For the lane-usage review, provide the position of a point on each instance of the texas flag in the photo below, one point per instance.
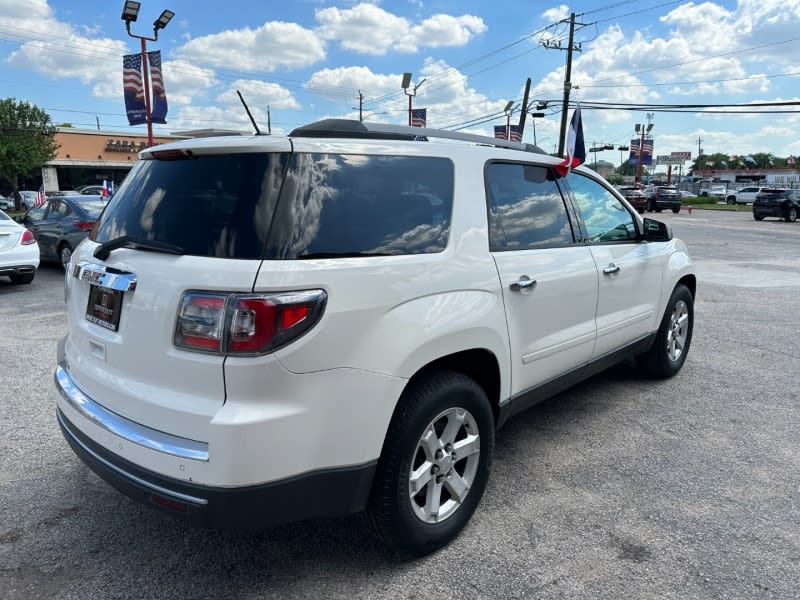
(576, 151)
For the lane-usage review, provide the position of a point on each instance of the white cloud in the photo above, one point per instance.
(258, 93)
(558, 13)
(334, 83)
(368, 29)
(273, 45)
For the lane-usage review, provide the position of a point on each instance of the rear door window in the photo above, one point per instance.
(526, 208)
(335, 205)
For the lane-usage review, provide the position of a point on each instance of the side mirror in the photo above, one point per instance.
(656, 231)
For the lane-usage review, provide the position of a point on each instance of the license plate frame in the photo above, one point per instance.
(104, 307)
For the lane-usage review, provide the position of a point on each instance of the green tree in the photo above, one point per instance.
(26, 141)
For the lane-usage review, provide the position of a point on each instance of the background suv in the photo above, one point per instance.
(776, 202)
(660, 197)
(263, 329)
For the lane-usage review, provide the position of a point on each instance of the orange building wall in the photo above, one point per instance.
(98, 146)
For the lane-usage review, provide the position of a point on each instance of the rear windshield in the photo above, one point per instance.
(330, 205)
(91, 207)
(335, 205)
(215, 206)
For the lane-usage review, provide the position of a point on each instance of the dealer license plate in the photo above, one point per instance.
(104, 307)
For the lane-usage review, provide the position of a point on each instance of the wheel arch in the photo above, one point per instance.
(690, 281)
(479, 364)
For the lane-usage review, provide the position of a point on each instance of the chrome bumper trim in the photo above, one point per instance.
(123, 473)
(135, 433)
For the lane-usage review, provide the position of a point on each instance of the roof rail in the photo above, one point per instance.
(348, 128)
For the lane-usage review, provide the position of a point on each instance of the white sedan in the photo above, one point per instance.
(19, 252)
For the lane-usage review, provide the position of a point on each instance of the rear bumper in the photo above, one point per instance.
(771, 211)
(320, 494)
(18, 269)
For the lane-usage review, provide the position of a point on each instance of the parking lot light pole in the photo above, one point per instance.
(643, 131)
(406, 84)
(130, 12)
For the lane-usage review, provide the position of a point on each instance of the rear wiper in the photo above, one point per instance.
(131, 241)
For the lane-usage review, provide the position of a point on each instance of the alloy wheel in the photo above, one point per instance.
(444, 465)
(678, 330)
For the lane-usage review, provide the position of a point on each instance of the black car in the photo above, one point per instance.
(775, 202)
(62, 223)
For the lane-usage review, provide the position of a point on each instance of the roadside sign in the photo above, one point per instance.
(685, 155)
(666, 159)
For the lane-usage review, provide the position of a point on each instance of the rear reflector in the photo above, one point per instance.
(179, 506)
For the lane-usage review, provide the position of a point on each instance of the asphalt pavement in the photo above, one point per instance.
(621, 487)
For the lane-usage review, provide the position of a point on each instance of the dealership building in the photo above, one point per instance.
(89, 157)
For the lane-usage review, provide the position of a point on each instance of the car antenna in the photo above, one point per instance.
(252, 120)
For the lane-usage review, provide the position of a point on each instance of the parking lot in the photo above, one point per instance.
(619, 487)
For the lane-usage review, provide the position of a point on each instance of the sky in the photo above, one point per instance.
(312, 59)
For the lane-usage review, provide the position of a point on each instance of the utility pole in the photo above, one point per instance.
(567, 76)
(360, 106)
(699, 149)
(524, 112)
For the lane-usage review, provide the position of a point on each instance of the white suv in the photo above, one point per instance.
(266, 329)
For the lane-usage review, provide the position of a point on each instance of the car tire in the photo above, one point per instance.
(758, 217)
(668, 353)
(791, 216)
(676, 210)
(730, 200)
(64, 254)
(437, 418)
(26, 278)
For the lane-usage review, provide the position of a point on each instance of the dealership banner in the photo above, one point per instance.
(647, 152)
(133, 89)
(159, 112)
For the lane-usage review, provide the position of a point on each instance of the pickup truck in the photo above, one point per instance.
(715, 190)
(745, 195)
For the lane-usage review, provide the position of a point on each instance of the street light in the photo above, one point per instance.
(130, 12)
(534, 116)
(406, 84)
(508, 110)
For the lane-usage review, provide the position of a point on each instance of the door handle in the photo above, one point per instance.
(610, 269)
(524, 283)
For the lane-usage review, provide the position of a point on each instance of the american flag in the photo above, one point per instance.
(419, 117)
(501, 132)
(40, 197)
(647, 147)
(132, 75)
(155, 73)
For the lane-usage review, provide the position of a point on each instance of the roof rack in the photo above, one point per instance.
(348, 128)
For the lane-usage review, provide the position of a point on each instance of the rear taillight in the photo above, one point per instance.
(27, 238)
(245, 324)
(84, 225)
